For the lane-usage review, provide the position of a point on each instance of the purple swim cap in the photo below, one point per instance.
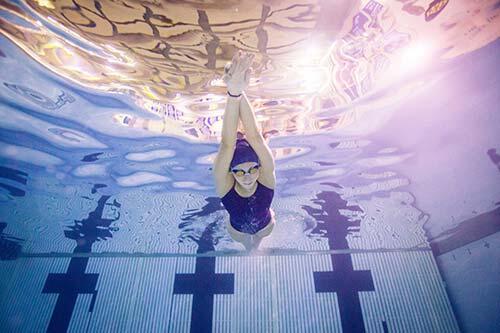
(243, 152)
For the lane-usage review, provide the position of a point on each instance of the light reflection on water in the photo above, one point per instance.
(167, 57)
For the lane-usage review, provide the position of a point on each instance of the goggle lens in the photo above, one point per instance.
(252, 170)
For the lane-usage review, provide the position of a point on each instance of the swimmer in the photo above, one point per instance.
(244, 165)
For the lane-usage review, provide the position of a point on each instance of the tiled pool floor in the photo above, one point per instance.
(356, 292)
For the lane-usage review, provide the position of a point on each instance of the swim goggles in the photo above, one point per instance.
(251, 171)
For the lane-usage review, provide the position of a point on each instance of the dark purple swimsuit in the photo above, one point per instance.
(249, 215)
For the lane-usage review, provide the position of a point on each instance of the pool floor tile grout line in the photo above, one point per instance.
(212, 253)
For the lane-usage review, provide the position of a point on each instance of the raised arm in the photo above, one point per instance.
(236, 79)
(256, 140)
(230, 122)
(248, 119)
(246, 113)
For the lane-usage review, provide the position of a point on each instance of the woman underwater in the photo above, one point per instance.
(244, 167)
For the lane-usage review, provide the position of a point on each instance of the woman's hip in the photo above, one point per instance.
(265, 231)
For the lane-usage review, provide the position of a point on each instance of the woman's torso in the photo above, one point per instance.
(249, 214)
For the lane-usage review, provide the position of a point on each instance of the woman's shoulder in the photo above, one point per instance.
(227, 188)
(268, 182)
(266, 185)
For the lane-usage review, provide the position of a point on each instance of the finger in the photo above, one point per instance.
(234, 62)
(248, 73)
(231, 67)
(244, 58)
(245, 61)
(240, 63)
(241, 66)
(227, 68)
(248, 60)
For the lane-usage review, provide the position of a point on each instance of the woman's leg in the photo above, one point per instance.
(266, 231)
(248, 243)
(256, 242)
(243, 238)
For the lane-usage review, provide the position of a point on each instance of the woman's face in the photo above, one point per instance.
(246, 174)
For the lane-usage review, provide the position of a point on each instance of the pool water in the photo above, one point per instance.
(387, 195)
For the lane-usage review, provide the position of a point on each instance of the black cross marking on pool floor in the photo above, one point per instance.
(203, 285)
(75, 281)
(344, 280)
(69, 285)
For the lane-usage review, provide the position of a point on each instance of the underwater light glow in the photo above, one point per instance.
(314, 78)
(412, 59)
(415, 56)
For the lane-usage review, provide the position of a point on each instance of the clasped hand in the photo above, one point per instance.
(237, 73)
